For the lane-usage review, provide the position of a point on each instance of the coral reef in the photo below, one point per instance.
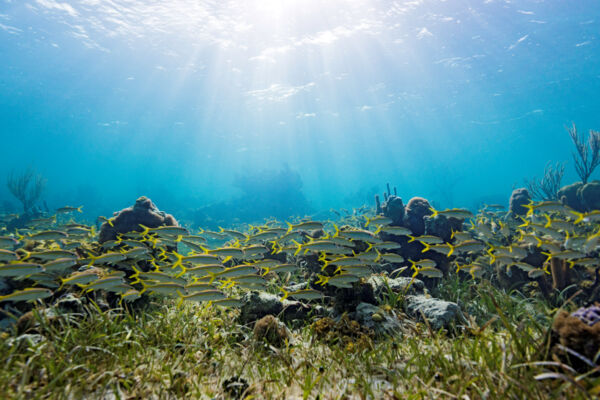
(576, 337)
(264, 194)
(587, 157)
(27, 187)
(415, 212)
(393, 208)
(143, 212)
(518, 198)
(569, 195)
(581, 197)
(546, 188)
(442, 226)
(270, 330)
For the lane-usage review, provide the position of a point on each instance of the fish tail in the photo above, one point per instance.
(144, 287)
(290, 227)
(529, 208)
(411, 238)
(213, 276)
(79, 208)
(549, 223)
(426, 248)
(434, 211)
(580, 216)
(377, 230)
(179, 262)
(378, 255)
(337, 230)
(369, 247)
(368, 221)
(145, 230)
(178, 239)
(525, 223)
(298, 249)
(136, 275)
(27, 254)
(322, 280)
(227, 259)
(547, 254)
(285, 293)
(451, 250)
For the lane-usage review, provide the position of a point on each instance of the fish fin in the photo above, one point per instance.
(298, 249)
(451, 250)
(144, 287)
(580, 216)
(411, 238)
(549, 223)
(426, 248)
(179, 262)
(136, 275)
(290, 227)
(285, 293)
(79, 208)
(145, 230)
(434, 211)
(378, 255)
(337, 230)
(322, 280)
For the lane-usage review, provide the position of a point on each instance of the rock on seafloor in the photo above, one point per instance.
(256, 305)
(438, 313)
(589, 195)
(380, 284)
(143, 212)
(373, 317)
(569, 195)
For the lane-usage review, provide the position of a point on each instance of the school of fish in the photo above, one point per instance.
(56, 253)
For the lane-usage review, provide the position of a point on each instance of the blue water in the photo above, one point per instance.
(194, 103)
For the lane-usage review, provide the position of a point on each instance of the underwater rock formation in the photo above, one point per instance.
(416, 210)
(271, 330)
(581, 197)
(380, 283)
(256, 305)
(579, 332)
(143, 212)
(568, 195)
(518, 198)
(442, 226)
(393, 208)
(377, 320)
(589, 194)
(438, 313)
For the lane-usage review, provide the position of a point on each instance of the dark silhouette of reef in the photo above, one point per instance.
(581, 197)
(269, 193)
(143, 212)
